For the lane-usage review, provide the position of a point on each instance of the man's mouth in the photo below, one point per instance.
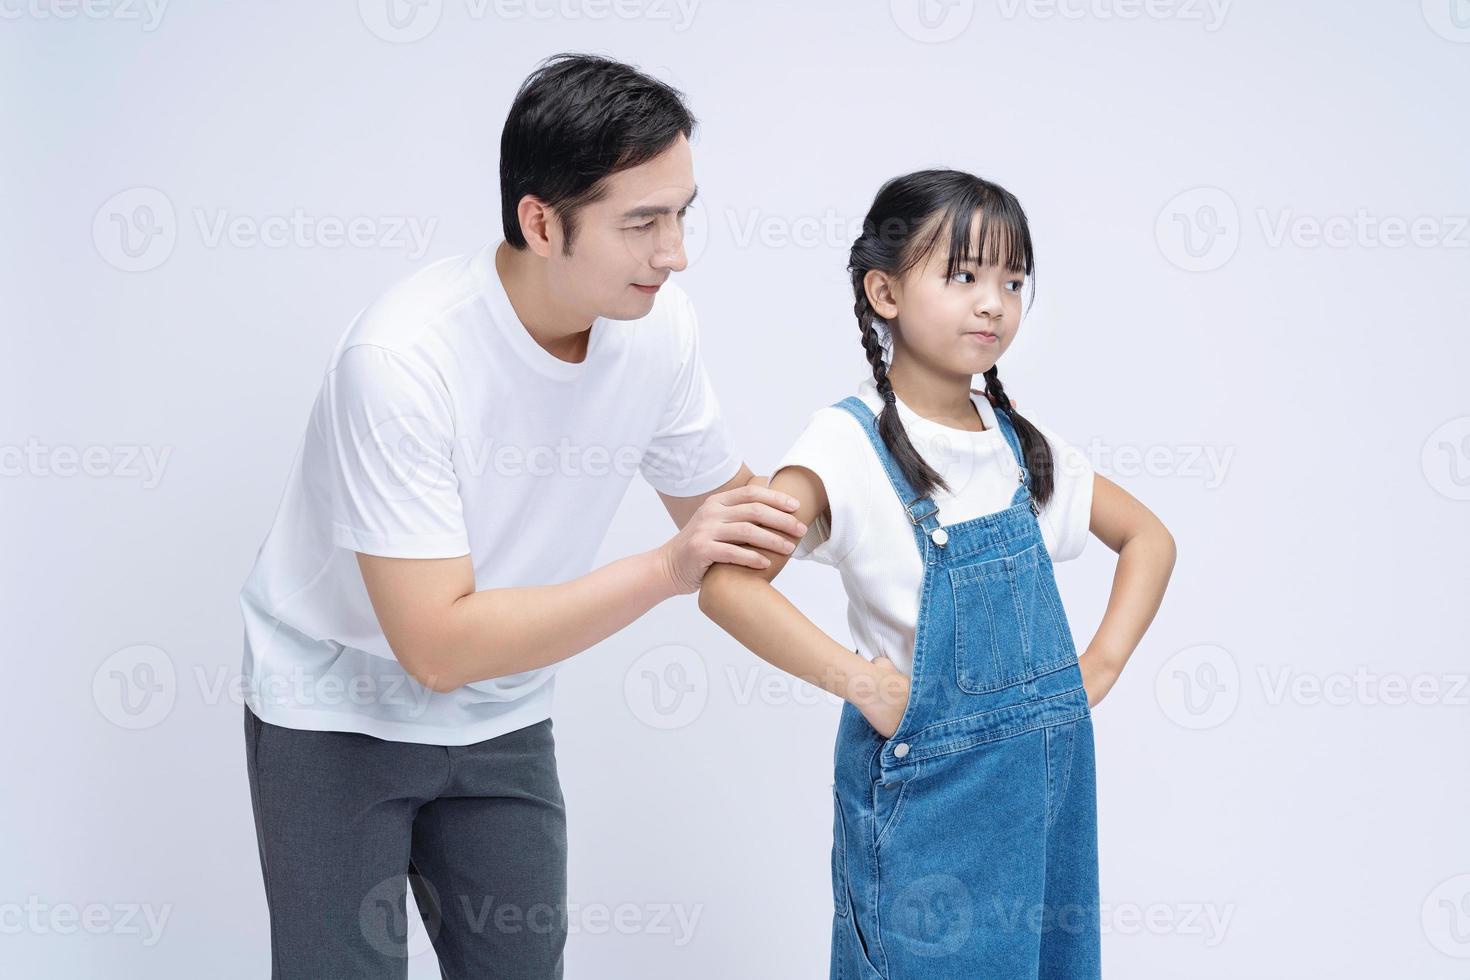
(647, 289)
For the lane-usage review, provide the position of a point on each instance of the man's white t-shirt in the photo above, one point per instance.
(442, 429)
(871, 541)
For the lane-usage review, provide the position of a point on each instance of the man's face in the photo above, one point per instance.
(629, 242)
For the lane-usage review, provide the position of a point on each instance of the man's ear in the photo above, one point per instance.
(879, 287)
(535, 217)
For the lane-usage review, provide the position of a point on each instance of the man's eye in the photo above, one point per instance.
(643, 227)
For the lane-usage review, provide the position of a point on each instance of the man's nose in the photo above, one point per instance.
(669, 251)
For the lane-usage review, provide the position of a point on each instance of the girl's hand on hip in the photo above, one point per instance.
(884, 700)
(1098, 676)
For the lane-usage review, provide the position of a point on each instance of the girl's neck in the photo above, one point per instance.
(941, 398)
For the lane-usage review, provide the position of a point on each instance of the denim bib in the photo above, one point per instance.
(989, 744)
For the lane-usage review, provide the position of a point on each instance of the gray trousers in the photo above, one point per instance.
(346, 823)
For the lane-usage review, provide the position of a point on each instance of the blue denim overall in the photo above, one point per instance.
(965, 846)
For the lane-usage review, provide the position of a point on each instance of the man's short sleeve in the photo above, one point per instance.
(387, 431)
(691, 452)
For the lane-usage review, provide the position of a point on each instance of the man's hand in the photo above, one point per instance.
(884, 697)
(748, 515)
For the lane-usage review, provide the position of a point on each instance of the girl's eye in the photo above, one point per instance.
(964, 272)
(1014, 285)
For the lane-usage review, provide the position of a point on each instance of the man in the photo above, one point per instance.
(432, 557)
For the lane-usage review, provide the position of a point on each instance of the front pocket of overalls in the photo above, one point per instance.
(1008, 625)
(853, 959)
(839, 857)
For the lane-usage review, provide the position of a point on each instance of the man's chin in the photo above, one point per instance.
(635, 309)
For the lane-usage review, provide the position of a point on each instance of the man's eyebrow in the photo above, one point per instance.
(651, 211)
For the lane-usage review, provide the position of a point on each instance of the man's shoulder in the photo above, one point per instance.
(397, 317)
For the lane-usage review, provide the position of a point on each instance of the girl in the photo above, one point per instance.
(964, 832)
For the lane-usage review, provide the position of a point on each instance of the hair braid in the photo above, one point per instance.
(1033, 443)
(925, 478)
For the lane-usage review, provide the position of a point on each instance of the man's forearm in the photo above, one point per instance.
(496, 632)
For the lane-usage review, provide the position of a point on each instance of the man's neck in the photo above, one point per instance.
(561, 332)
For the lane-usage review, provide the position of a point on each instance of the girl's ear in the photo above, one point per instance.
(880, 289)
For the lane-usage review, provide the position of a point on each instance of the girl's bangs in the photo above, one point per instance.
(1002, 238)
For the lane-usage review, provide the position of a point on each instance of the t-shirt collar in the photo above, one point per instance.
(868, 392)
(503, 314)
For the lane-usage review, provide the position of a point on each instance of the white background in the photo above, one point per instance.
(1282, 775)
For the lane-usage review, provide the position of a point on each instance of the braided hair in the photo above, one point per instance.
(905, 223)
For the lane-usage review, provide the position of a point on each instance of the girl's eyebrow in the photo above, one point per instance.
(650, 211)
(973, 261)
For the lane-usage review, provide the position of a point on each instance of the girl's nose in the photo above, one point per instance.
(988, 303)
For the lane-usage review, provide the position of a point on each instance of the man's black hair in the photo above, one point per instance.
(577, 119)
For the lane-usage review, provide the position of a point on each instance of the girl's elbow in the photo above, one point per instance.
(1167, 546)
(710, 597)
(716, 588)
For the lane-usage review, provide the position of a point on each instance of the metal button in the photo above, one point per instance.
(900, 750)
(940, 536)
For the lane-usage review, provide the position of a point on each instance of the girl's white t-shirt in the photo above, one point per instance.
(870, 539)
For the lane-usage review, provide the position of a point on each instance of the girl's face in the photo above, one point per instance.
(958, 323)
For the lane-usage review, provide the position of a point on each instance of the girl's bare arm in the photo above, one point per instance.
(447, 634)
(1146, 555)
(746, 605)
